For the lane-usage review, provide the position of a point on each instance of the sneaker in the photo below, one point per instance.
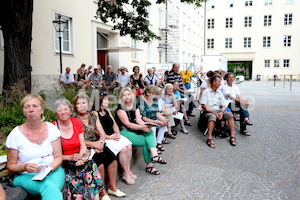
(117, 193)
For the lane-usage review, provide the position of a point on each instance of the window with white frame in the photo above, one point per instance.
(134, 54)
(267, 63)
(267, 41)
(228, 22)
(247, 42)
(66, 35)
(228, 43)
(267, 20)
(268, 2)
(288, 19)
(210, 43)
(287, 40)
(248, 21)
(210, 23)
(276, 63)
(248, 2)
(229, 3)
(286, 63)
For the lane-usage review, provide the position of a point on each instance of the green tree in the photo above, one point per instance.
(135, 24)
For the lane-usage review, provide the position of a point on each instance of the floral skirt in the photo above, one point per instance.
(84, 182)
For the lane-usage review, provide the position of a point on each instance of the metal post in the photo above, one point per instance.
(60, 56)
(283, 81)
(291, 76)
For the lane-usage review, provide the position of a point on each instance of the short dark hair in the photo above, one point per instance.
(214, 79)
(135, 67)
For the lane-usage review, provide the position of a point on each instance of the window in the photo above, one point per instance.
(183, 32)
(229, 22)
(267, 41)
(289, 1)
(66, 35)
(247, 42)
(276, 63)
(210, 23)
(248, 2)
(248, 21)
(287, 40)
(228, 43)
(134, 54)
(210, 43)
(267, 63)
(288, 19)
(149, 51)
(286, 63)
(267, 20)
(229, 3)
(268, 2)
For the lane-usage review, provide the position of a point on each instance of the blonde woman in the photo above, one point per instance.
(133, 127)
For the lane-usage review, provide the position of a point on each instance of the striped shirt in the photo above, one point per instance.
(173, 77)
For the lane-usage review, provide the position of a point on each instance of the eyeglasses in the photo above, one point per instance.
(102, 93)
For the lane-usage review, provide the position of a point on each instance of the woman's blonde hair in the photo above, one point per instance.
(150, 89)
(31, 96)
(122, 92)
(80, 95)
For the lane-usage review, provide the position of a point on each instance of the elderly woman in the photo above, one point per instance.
(32, 145)
(83, 180)
(151, 78)
(169, 103)
(236, 102)
(133, 127)
(96, 138)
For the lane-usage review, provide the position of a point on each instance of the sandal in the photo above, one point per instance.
(152, 170)
(159, 160)
(245, 132)
(160, 147)
(187, 122)
(247, 122)
(174, 131)
(232, 141)
(165, 141)
(184, 131)
(171, 136)
(210, 143)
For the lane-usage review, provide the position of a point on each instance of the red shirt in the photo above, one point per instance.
(72, 145)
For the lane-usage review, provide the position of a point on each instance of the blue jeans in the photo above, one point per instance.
(49, 188)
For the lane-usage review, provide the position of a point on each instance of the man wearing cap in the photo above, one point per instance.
(123, 78)
(95, 78)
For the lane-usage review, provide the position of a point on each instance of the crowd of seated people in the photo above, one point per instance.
(84, 147)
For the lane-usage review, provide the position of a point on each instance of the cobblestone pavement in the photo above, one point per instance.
(263, 166)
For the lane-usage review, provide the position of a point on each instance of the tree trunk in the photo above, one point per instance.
(16, 23)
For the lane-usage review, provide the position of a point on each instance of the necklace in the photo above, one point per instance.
(33, 136)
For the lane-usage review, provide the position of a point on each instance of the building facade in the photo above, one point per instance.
(259, 37)
(87, 40)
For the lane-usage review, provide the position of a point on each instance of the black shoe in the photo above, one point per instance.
(191, 114)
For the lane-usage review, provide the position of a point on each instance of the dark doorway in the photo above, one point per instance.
(241, 68)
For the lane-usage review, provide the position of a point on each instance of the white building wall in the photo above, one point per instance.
(257, 53)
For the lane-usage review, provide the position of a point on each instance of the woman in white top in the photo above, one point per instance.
(151, 78)
(34, 144)
(237, 103)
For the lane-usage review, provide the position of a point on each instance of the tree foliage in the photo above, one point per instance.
(130, 17)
